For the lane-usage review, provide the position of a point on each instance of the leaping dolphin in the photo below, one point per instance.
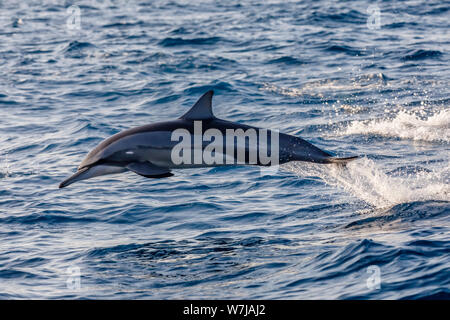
(153, 150)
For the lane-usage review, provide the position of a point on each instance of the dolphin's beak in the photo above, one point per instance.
(90, 172)
(74, 178)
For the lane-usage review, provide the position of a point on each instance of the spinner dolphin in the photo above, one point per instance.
(197, 139)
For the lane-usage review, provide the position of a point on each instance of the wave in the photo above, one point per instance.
(172, 42)
(344, 49)
(323, 87)
(77, 45)
(348, 17)
(405, 125)
(286, 60)
(405, 212)
(77, 50)
(367, 181)
(422, 54)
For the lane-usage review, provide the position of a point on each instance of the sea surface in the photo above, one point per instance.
(352, 77)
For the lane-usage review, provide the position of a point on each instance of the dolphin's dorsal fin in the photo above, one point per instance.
(202, 109)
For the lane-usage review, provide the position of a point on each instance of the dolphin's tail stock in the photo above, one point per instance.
(305, 151)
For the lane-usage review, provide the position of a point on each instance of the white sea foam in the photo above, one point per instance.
(366, 180)
(405, 125)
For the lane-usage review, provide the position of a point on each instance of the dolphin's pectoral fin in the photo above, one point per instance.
(149, 170)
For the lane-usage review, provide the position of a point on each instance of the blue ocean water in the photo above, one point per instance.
(353, 77)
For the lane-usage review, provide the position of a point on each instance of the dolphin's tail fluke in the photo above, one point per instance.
(341, 161)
